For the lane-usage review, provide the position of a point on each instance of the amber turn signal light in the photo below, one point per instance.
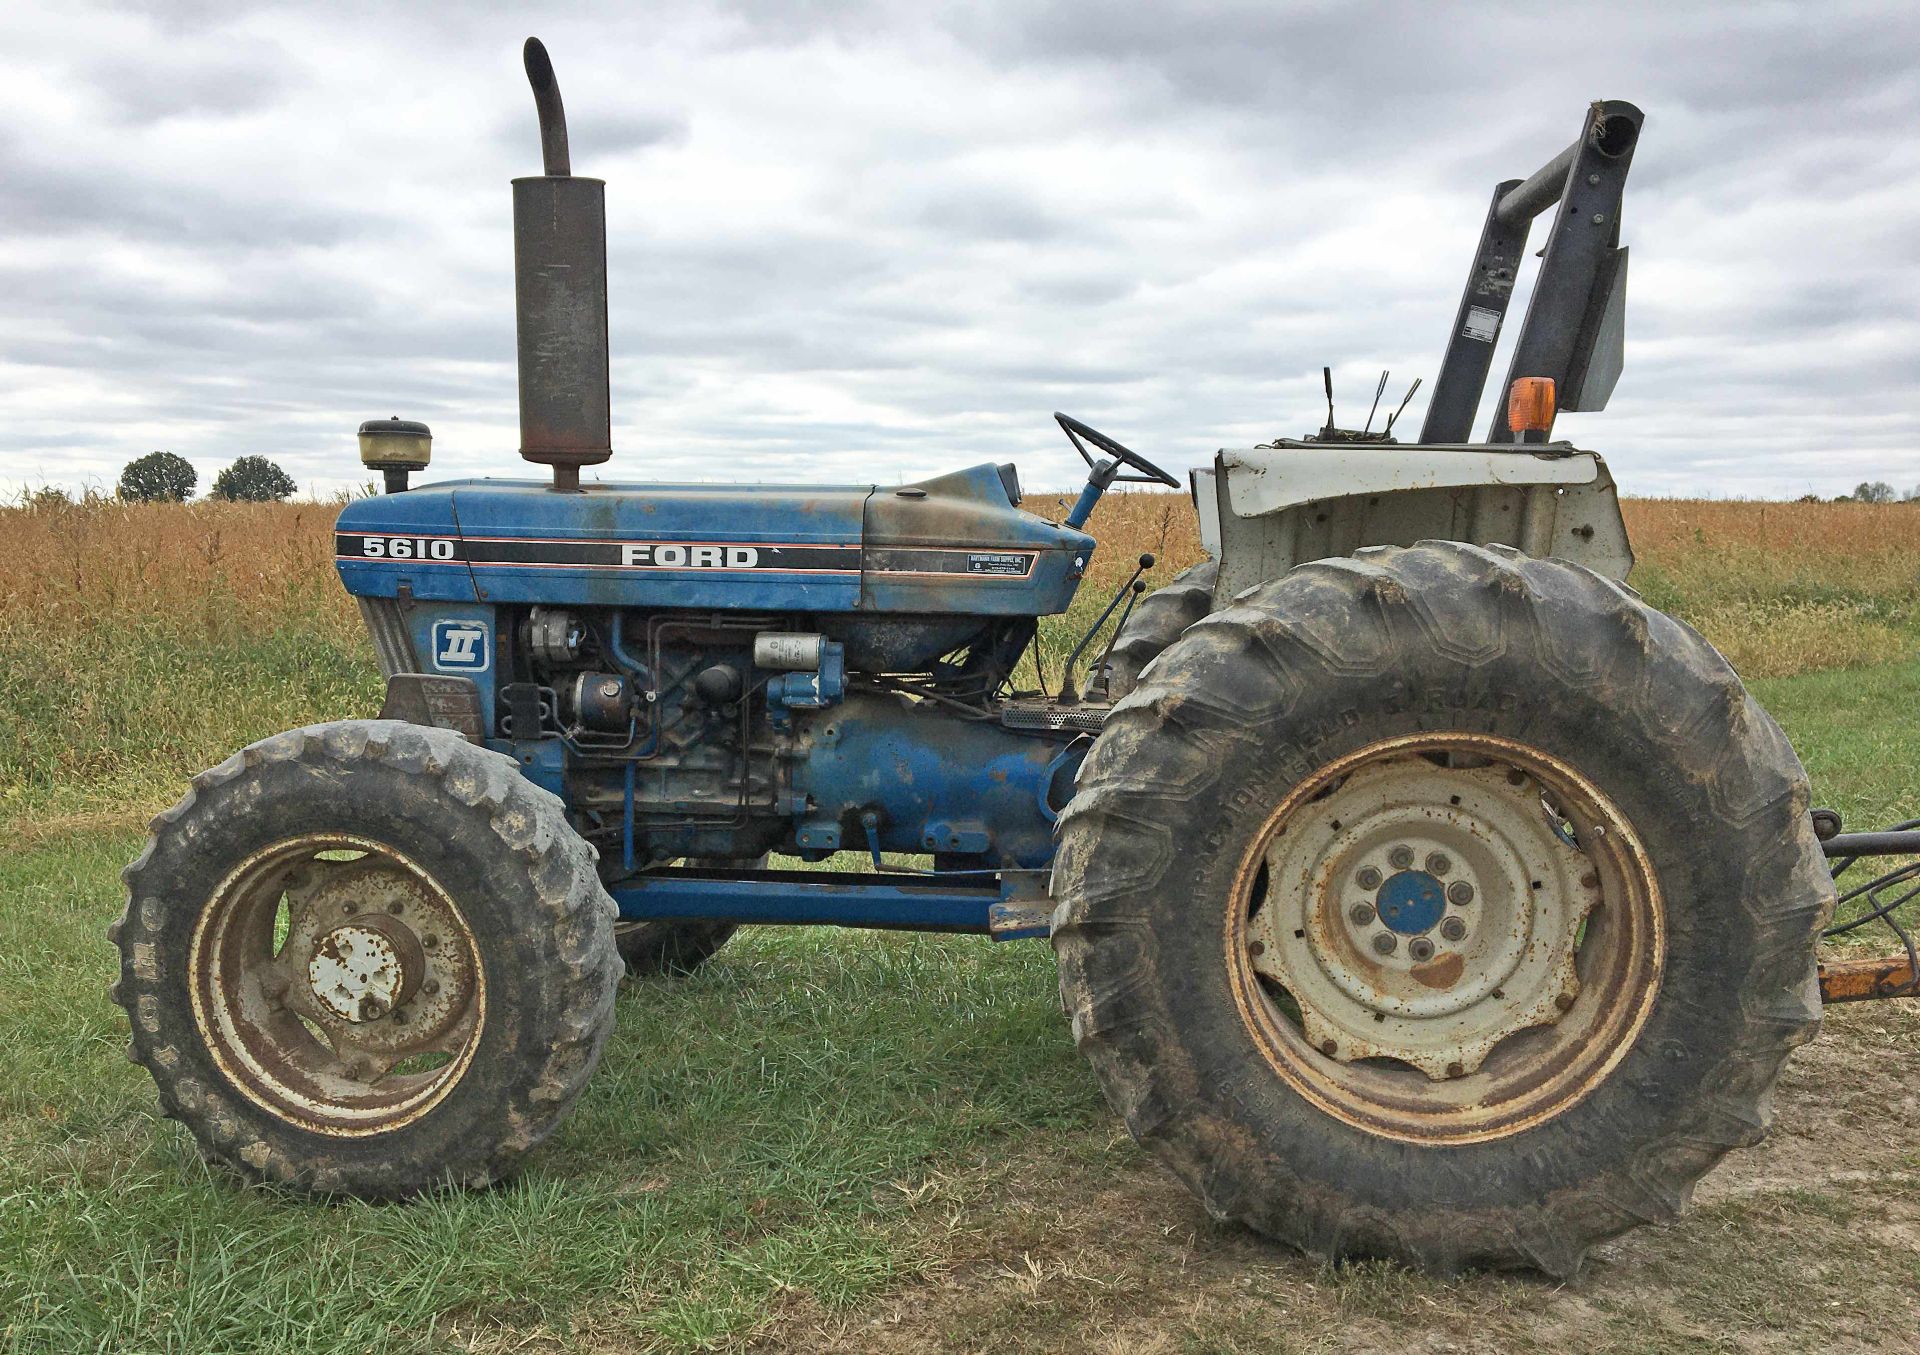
(1530, 404)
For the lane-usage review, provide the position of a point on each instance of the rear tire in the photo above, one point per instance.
(665, 947)
(366, 958)
(1205, 892)
(1161, 618)
(674, 948)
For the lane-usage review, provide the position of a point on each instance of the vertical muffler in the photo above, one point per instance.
(560, 298)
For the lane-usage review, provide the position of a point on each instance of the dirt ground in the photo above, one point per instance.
(1810, 1241)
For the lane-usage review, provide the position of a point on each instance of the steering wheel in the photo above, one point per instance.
(1075, 430)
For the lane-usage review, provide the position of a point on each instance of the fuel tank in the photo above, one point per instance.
(956, 544)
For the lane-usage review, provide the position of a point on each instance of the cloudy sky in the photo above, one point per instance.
(881, 241)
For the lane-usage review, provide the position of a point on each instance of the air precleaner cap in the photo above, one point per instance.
(396, 444)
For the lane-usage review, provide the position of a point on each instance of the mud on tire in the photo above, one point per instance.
(416, 815)
(1399, 644)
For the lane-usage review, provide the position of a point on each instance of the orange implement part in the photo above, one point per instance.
(1865, 980)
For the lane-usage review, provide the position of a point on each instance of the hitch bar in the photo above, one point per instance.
(1868, 978)
(1872, 844)
(1900, 840)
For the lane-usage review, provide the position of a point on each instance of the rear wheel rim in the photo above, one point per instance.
(337, 984)
(1446, 938)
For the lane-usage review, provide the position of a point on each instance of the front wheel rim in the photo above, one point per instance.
(1445, 938)
(337, 984)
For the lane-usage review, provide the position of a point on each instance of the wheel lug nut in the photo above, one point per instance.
(1385, 943)
(396, 907)
(432, 986)
(1459, 892)
(1564, 1002)
(1361, 913)
(1255, 948)
(1420, 948)
(1438, 863)
(1400, 857)
(1456, 1070)
(1329, 1047)
(349, 908)
(429, 940)
(1453, 929)
(1368, 878)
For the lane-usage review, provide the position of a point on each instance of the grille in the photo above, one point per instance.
(1085, 719)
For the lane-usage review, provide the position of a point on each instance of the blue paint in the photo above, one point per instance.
(1411, 902)
(850, 765)
(542, 761)
(918, 903)
(955, 544)
(956, 787)
(428, 626)
(1083, 506)
(626, 826)
(808, 691)
(463, 646)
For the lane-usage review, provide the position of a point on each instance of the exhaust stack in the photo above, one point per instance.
(560, 298)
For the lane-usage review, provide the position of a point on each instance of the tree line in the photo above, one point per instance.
(1879, 491)
(166, 477)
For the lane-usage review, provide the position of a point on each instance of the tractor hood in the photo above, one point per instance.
(957, 543)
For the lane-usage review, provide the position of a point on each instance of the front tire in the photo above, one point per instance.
(366, 958)
(1275, 820)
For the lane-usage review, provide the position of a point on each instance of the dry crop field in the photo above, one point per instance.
(842, 1141)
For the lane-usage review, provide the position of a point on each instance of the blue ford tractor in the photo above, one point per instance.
(1417, 890)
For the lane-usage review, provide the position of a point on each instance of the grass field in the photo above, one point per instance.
(839, 1140)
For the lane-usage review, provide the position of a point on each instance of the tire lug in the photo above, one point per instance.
(1438, 863)
(1459, 892)
(1361, 913)
(1400, 857)
(1453, 929)
(1368, 878)
(1420, 949)
(1385, 943)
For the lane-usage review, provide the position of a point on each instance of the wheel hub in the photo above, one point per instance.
(1411, 902)
(362, 970)
(1422, 913)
